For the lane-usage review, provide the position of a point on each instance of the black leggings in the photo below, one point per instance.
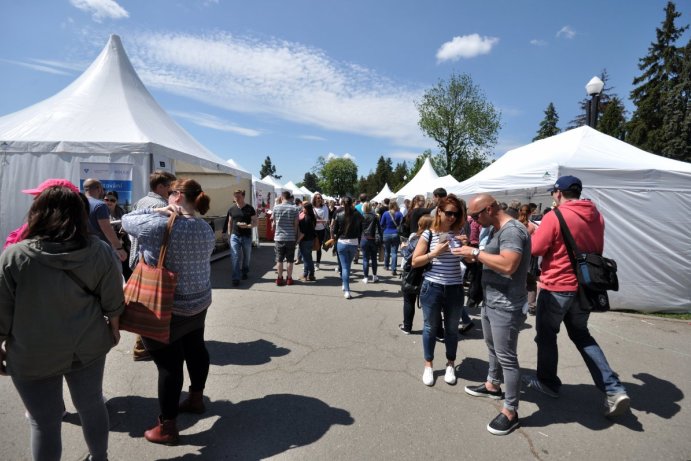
(321, 234)
(190, 349)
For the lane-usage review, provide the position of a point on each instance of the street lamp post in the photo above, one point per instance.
(593, 88)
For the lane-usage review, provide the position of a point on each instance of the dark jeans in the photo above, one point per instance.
(553, 308)
(369, 256)
(321, 235)
(436, 299)
(391, 243)
(305, 247)
(408, 310)
(189, 349)
(43, 400)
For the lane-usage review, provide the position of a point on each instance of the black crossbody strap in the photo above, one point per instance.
(81, 284)
(571, 247)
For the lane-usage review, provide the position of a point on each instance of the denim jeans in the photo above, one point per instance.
(409, 300)
(240, 244)
(369, 256)
(552, 309)
(306, 252)
(435, 299)
(43, 400)
(346, 254)
(500, 328)
(391, 242)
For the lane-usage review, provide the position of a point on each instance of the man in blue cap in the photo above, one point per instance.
(558, 301)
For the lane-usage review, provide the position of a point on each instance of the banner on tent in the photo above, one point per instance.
(113, 176)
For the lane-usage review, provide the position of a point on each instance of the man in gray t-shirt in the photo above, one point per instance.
(505, 260)
(285, 221)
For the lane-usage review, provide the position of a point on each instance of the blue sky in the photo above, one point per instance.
(300, 79)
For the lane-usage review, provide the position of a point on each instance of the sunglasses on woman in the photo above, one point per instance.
(455, 214)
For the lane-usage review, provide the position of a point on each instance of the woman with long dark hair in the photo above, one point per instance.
(306, 236)
(442, 287)
(321, 210)
(347, 229)
(190, 246)
(45, 337)
(369, 244)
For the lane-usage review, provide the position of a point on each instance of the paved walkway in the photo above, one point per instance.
(302, 373)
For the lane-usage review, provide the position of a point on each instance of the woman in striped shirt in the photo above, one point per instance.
(442, 288)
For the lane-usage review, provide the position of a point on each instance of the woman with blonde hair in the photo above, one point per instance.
(442, 286)
(190, 245)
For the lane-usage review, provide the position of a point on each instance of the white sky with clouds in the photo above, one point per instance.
(298, 80)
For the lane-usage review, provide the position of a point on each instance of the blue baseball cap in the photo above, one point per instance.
(567, 183)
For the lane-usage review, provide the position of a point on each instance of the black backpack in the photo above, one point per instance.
(412, 277)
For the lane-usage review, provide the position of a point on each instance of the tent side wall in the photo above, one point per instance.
(23, 170)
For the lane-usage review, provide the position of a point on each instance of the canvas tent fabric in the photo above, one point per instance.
(105, 116)
(424, 182)
(643, 198)
(448, 182)
(385, 192)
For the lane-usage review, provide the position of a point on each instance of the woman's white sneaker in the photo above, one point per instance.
(346, 295)
(450, 375)
(428, 376)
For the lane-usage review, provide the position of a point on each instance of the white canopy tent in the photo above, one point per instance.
(278, 186)
(424, 182)
(105, 120)
(643, 197)
(385, 192)
(448, 182)
(297, 192)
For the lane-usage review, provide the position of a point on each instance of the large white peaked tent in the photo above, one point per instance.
(105, 116)
(424, 182)
(385, 192)
(644, 199)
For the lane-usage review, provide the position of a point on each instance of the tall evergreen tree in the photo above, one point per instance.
(310, 181)
(660, 73)
(676, 120)
(581, 119)
(613, 120)
(383, 173)
(268, 169)
(399, 176)
(548, 125)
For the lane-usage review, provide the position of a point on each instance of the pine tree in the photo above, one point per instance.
(383, 173)
(581, 119)
(399, 176)
(268, 169)
(660, 72)
(676, 119)
(613, 120)
(548, 125)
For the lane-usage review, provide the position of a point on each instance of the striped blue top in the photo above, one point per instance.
(446, 268)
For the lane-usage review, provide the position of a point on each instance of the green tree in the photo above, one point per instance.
(660, 70)
(676, 120)
(310, 181)
(340, 176)
(399, 176)
(383, 173)
(457, 116)
(548, 125)
(613, 120)
(268, 169)
(603, 100)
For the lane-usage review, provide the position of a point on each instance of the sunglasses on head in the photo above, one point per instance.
(455, 214)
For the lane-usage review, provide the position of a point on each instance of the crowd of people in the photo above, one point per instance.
(483, 253)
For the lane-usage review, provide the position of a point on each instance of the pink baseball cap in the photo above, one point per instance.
(50, 183)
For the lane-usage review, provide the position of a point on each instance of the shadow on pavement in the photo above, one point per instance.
(261, 428)
(252, 353)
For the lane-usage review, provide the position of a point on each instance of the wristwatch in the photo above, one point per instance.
(475, 253)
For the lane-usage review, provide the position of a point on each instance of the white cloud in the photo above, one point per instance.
(536, 42)
(349, 157)
(466, 46)
(566, 32)
(331, 156)
(309, 137)
(101, 9)
(215, 123)
(286, 80)
(39, 67)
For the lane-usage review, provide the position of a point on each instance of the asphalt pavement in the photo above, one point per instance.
(300, 373)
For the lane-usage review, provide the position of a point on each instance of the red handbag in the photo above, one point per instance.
(149, 294)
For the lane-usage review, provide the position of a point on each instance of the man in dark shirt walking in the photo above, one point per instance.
(240, 220)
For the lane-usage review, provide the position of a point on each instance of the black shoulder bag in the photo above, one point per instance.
(412, 277)
(595, 273)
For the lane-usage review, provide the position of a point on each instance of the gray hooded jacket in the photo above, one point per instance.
(48, 323)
